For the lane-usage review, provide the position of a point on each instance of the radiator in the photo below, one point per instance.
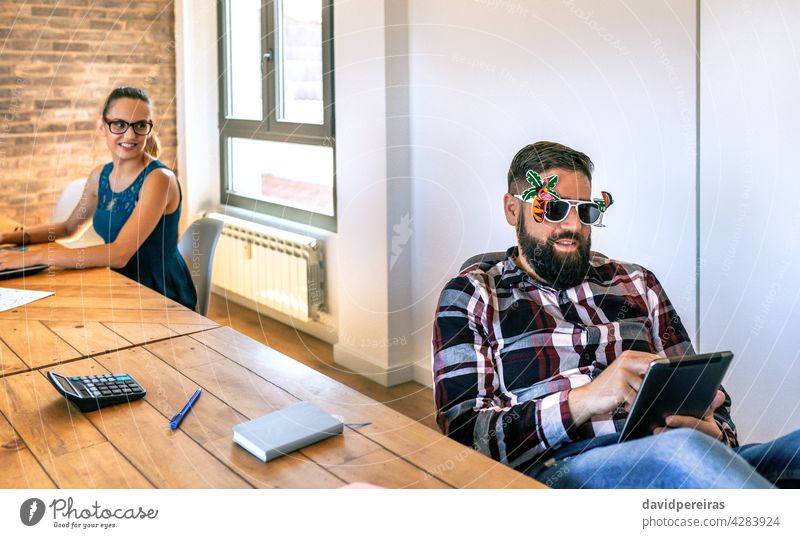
(280, 270)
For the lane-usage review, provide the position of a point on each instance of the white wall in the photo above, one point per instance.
(360, 94)
(197, 104)
(749, 234)
(614, 80)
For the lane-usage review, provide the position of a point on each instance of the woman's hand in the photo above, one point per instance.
(11, 259)
(14, 258)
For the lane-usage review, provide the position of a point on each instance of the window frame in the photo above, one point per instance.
(268, 128)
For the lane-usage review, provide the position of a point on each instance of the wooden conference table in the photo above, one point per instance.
(7, 224)
(99, 321)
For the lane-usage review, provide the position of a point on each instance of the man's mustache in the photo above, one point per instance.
(566, 235)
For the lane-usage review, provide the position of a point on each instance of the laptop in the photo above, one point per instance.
(22, 271)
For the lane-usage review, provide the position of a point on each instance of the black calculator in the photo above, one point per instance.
(91, 392)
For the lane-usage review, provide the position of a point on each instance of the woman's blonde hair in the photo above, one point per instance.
(153, 144)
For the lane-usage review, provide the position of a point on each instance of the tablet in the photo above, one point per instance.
(677, 386)
(22, 271)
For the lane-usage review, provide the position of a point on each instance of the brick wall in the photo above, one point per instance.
(59, 59)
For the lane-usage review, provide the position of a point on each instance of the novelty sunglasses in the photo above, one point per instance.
(557, 210)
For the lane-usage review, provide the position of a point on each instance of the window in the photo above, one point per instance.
(276, 108)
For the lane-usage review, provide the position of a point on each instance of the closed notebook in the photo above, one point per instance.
(280, 432)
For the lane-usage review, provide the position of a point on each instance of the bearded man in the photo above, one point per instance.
(538, 357)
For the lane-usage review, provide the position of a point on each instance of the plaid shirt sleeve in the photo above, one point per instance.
(671, 339)
(470, 408)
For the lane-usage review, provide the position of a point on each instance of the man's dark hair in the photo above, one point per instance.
(541, 156)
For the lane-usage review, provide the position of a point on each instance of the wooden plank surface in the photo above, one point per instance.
(70, 449)
(9, 361)
(166, 458)
(250, 396)
(19, 467)
(93, 311)
(142, 333)
(7, 224)
(452, 463)
(95, 295)
(112, 315)
(88, 337)
(34, 343)
(211, 421)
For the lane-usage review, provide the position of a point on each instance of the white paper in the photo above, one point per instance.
(11, 298)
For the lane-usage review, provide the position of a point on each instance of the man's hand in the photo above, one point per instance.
(616, 385)
(707, 424)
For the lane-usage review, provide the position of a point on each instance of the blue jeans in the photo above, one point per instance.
(680, 458)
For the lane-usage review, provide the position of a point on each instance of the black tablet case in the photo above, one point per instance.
(677, 386)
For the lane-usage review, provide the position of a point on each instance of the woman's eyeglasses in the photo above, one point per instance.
(121, 126)
(557, 210)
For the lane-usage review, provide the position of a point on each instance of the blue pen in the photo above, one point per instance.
(176, 420)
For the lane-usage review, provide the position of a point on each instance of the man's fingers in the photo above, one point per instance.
(719, 399)
(629, 387)
(634, 381)
(638, 362)
(682, 421)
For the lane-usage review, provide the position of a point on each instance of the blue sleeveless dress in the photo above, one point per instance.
(157, 264)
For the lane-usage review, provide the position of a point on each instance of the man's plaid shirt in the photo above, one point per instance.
(507, 351)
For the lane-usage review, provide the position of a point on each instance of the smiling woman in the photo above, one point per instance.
(133, 202)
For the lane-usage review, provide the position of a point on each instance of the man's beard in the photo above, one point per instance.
(559, 270)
